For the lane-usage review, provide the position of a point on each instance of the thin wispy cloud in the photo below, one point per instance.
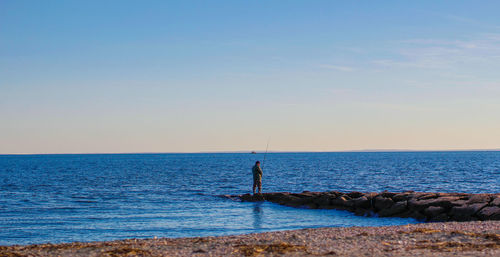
(444, 54)
(338, 68)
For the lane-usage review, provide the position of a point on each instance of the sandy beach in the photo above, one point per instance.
(477, 238)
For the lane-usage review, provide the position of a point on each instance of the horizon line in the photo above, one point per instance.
(273, 151)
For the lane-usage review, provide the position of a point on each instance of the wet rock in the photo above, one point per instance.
(433, 211)
(382, 203)
(362, 212)
(395, 209)
(489, 213)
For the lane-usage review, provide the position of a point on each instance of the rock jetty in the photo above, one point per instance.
(418, 205)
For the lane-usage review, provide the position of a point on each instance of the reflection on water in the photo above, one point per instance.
(257, 215)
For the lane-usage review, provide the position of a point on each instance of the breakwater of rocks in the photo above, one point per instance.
(418, 205)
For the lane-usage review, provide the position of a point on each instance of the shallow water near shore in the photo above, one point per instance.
(96, 197)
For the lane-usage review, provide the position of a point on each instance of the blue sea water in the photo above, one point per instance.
(95, 197)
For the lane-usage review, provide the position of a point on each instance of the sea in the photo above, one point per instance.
(98, 197)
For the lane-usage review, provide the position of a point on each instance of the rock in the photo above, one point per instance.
(307, 194)
(401, 197)
(479, 198)
(387, 194)
(465, 212)
(342, 201)
(335, 194)
(276, 197)
(416, 195)
(445, 202)
(395, 209)
(489, 213)
(440, 217)
(300, 202)
(382, 203)
(433, 211)
(362, 212)
(362, 202)
(428, 196)
(311, 205)
(323, 200)
(496, 201)
(355, 194)
(430, 206)
(282, 199)
(258, 197)
(417, 215)
(252, 198)
(459, 202)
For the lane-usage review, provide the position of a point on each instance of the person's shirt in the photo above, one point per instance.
(257, 171)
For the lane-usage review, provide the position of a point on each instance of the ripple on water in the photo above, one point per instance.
(64, 198)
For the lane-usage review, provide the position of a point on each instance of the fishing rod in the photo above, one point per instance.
(267, 147)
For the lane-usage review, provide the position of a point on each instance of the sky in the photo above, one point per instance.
(202, 76)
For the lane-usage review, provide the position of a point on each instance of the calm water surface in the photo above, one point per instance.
(65, 198)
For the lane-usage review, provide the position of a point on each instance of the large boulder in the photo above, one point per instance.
(394, 210)
(344, 201)
(433, 211)
(496, 201)
(382, 203)
(387, 194)
(465, 212)
(417, 215)
(302, 202)
(355, 194)
(479, 198)
(489, 213)
(362, 202)
(445, 202)
(323, 201)
(402, 196)
(428, 196)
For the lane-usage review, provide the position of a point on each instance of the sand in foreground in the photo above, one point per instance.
(479, 238)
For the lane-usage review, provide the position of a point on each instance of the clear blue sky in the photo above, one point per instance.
(189, 76)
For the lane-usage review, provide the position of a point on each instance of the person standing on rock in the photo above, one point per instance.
(257, 177)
